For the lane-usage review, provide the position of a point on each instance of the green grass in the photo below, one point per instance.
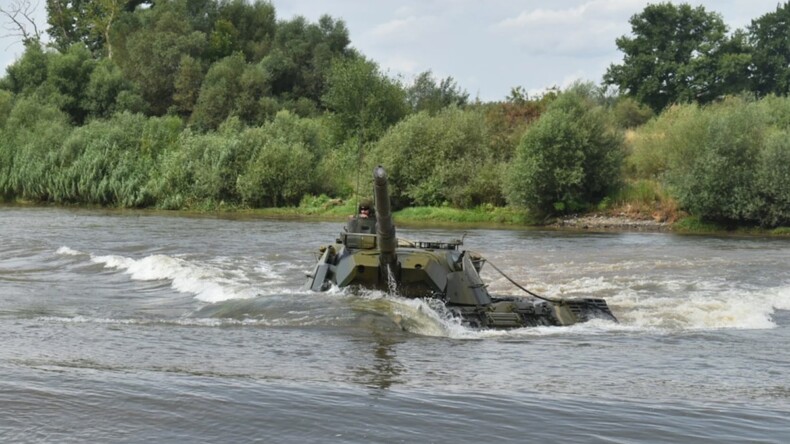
(694, 224)
(325, 208)
(781, 231)
(485, 214)
(644, 192)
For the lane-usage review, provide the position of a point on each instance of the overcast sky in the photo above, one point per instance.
(487, 46)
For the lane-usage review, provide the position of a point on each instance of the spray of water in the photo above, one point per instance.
(392, 284)
(639, 303)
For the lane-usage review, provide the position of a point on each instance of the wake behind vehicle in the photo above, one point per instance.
(369, 255)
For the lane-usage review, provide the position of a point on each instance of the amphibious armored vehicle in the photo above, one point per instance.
(369, 255)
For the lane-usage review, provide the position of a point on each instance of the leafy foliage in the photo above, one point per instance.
(433, 160)
(628, 113)
(151, 55)
(770, 38)
(363, 103)
(28, 73)
(426, 95)
(679, 54)
(568, 159)
(85, 21)
(773, 182)
(302, 56)
(723, 162)
(231, 88)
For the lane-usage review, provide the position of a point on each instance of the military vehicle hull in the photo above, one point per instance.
(437, 270)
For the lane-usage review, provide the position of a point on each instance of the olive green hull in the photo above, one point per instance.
(448, 275)
(439, 270)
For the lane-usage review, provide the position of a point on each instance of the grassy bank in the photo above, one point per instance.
(618, 215)
(325, 209)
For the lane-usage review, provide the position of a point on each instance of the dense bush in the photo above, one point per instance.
(433, 160)
(773, 180)
(717, 181)
(231, 88)
(628, 113)
(725, 162)
(283, 156)
(29, 149)
(674, 136)
(570, 158)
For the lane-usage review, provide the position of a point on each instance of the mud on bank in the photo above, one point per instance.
(599, 222)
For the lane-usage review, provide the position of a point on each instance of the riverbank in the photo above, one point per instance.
(481, 217)
(601, 222)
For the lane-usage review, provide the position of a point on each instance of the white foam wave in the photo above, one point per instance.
(640, 303)
(418, 316)
(644, 303)
(208, 283)
(703, 309)
(431, 318)
(273, 271)
(66, 251)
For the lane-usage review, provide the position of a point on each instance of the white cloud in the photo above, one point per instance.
(410, 27)
(597, 10)
(405, 11)
(577, 76)
(587, 29)
(400, 65)
(543, 17)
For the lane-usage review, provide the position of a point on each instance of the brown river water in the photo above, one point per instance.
(150, 327)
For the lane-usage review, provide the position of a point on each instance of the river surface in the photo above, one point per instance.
(147, 327)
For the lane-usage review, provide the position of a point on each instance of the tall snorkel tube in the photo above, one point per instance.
(385, 229)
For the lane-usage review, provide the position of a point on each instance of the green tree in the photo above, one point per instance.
(255, 25)
(106, 84)
(426, 95)
(715, 179)
(725, 162)
(29, 72)
(218, 92)
(769, 36)
(569, 158)
(86, 21)
(152, 53)
(628, 113)
(69, 75)
(187, 84)
(223, 40)
(679, 54)
(57, 78)
(773, 181)
(283, 152)
(231, 88)
(276, 174)
(362, 101)
(440, 159)
(302, 56)
(6, 104)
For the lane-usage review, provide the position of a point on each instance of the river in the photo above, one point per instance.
(135, 327)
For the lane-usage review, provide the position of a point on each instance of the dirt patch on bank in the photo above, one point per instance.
(601, 222)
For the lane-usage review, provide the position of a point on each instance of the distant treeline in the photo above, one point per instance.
(202, 104)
